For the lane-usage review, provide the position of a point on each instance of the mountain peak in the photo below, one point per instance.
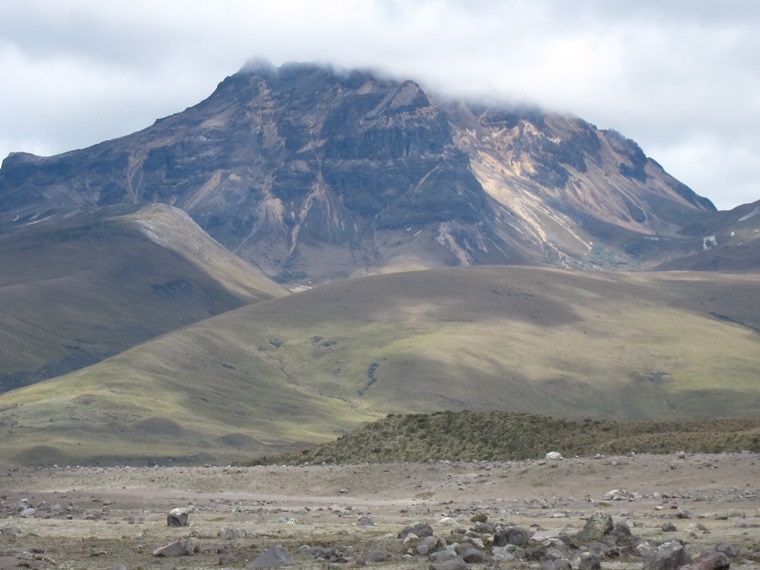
(316, 174)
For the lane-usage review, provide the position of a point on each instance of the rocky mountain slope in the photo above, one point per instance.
(316, 175)
(79, 290)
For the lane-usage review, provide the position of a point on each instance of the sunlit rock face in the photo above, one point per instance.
(317, 175)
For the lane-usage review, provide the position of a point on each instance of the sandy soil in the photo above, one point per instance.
(96, 518)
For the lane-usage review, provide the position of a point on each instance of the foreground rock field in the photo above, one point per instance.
(606, 512)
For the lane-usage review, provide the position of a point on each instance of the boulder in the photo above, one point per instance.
(421, 529)
(512, 535)
(727, 549)
(472, 555)
(184, 547)
(709, 561)
(597, 526)
(275, 557)
(455, 563)
(669, 555)
(178, 517)
(508, 552)
(445, 554)
(588, 561)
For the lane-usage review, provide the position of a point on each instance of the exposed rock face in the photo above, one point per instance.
(316, 175)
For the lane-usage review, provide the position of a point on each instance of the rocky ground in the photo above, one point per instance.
(521, 514)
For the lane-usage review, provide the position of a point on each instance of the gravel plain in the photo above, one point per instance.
(89, 517)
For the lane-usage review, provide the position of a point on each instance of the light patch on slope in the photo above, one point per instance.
(752, 214)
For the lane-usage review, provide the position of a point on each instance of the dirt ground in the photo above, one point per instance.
(103, 517)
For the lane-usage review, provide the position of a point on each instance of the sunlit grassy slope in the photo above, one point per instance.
(77, 291)
(308, 367)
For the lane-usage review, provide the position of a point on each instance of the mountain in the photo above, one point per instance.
(78, 290)
(730, 242)
(307, 367)
(316, 175)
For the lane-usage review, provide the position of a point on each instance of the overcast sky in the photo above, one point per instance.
(680, 77)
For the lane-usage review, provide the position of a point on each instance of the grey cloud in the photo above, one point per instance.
(679, 77)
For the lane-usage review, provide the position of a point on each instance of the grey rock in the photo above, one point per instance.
(10, 530)
(727, 549)
(184, 547)
(668, 527)
(622, 533)
(709, 561)
(275, 557)
(421, 529)
(508, 552)
(670, 555)
(379, 555)
(512, 535)
(589, 561)
(597, 526)
(472, 555)
(559, 564)
(178, 517)
(28, 513)
(445, 554)
(455, 563)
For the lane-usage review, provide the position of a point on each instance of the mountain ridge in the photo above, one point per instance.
(316, 175)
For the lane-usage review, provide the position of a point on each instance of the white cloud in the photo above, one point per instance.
(679, 77)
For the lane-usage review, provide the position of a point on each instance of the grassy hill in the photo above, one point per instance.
(78, 291)
(478, 436)
(309, 367)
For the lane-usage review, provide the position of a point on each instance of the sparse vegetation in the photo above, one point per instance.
(554, 343)
(475, 436)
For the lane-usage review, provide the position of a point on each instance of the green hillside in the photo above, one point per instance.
(314, 365)
(78, 291)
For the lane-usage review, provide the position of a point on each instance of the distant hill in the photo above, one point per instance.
(78, 290)
(315, 175)
(306, 368)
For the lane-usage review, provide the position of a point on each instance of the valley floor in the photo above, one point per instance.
(100, 518)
